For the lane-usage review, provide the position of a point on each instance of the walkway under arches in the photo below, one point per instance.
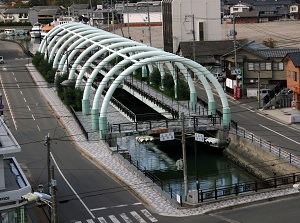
(91, 50)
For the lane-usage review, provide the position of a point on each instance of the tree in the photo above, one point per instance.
(269, 42)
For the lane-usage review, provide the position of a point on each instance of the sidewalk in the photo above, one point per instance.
(100, 153)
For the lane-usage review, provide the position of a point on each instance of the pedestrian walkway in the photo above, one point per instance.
(100, 153)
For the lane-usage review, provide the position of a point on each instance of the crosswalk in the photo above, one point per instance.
(143, 217)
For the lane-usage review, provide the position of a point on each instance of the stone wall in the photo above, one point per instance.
(256, 160)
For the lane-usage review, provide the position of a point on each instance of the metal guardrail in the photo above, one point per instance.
(85, 133)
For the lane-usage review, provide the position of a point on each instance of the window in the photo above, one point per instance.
(278, 66)
(259, 66)
(295, 76)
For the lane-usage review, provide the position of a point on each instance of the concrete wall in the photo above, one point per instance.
(255, 160)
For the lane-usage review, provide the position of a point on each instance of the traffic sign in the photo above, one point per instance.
(236, 71)
(199, 137)
(167, 136)
(1, 106)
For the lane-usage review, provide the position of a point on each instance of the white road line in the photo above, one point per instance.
(8, 104)
(280, 134)
(38, 128)
(102, 220)
(21, 92)
(137, 217)
(117, 206)
(33, 117)
(25, 100)
(84, 205)
(78, 222)
(90, 221)
(28, 107)
(149, 215)
(125, 218)
(18, 85)
(114, 219)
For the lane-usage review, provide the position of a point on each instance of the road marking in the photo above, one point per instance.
(38, 128)
(281, 134)
(137, 217)
(18, 85)
(16, 80)
(25, 100)
(8, 104)
(21, 92)
(117, 206)
(148, 215)
(114, 219)
(63, 176)
(90, 221)
(28, 107)
(223, 218)
(102, 220)
(125, 218)
(33, 117)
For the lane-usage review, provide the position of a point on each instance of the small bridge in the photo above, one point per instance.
(88, 54)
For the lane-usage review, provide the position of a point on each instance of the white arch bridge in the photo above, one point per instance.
(81, 46)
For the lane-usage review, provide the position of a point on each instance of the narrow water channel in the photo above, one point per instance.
(206, 163)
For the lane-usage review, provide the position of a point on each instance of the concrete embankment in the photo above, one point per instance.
(256, 160)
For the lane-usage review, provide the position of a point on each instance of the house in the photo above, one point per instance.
(47, 14)
(257, 64)
(240, 7)
(197, 20)
(294, 11)
(13, 182)
(142, 13)
(15, 15)
(207, 53)
(292, 65)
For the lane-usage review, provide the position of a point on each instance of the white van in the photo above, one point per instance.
(1, 59)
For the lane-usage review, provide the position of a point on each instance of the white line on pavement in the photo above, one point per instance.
(281, 135)
(63, 176)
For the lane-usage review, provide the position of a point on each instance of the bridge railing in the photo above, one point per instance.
(267, 146)
(193, 122)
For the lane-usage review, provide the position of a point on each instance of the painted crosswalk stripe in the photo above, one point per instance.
(148, 215)
(102, 220)
(125, 218)
(78, 222)
(90, 221)
(137, 217)
(114, 219)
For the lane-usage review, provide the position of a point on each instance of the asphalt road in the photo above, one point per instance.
(85, 192)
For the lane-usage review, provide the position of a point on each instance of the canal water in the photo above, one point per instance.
(207, 164)
(204, 163)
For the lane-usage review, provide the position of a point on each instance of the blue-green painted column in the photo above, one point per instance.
(85, 106)
(95, 119)
(211, 108)
(144, 71)
(193, 101)
(226, 116)
(102, 126)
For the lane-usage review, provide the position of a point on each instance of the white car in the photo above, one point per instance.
(1, 59)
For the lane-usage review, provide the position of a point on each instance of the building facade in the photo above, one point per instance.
(196, 20)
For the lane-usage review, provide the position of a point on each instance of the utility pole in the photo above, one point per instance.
(47, 143)
(194, 37)
(53, 196)
(185, 180)
(234, 46)
(128, 21)
(149, 26)
(258, 89)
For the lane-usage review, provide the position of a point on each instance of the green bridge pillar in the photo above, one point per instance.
(85, 106)
(193, 101)
(211, 108)
(95, 119)
(226, 116)
(102, 126)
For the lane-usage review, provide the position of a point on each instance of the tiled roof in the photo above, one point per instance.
(216, 48)
(16, 11)
(276, 53)
(295, 58)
